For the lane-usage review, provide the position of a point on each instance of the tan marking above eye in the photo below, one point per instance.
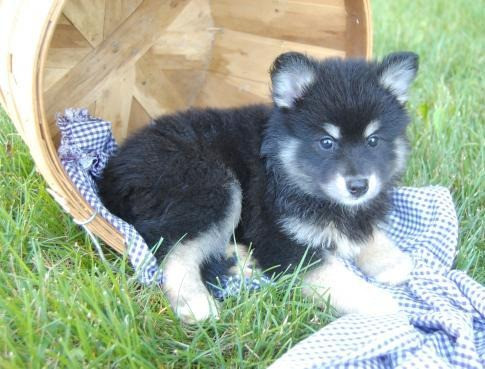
(371, 128)
(332, 130)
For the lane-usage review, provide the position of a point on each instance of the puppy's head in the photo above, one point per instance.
(338, 127)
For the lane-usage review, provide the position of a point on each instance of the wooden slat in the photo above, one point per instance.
(113, 57)
(171, 73)
(306, 22)
(196, 16)
(52, 75)
(189, 83)
(188, 40)
(138, 117)
(66, 57)
(67, 47)
(223, 91)
(88, 17)
(157, 94)
(166, 91)
(68, 36)
(338, 3)
(63, 20)
(9, 11)
(114, 104)
(359, 28)
(249, 56)
(183, 50)
(116, 11)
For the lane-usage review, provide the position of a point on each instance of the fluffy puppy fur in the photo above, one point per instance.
(310, 172)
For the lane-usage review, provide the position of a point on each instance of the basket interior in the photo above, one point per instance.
(129, 61)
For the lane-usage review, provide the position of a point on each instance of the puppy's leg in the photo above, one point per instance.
(348, 293)
(383, 260)
(183, 284)
(244, 262)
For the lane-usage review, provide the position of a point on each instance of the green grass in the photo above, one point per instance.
(60, 306)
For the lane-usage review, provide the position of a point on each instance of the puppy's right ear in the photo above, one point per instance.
(397, 71)
(291, 75)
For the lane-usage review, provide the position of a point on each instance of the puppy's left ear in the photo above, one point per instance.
(397, 71)
(291, 75)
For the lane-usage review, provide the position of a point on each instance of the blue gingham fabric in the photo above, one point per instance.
(86, 145)
(442, 323)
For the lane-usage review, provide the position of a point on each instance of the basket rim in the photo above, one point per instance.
(63, 189)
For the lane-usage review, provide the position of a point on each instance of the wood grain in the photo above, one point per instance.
(114, 104)
(249, 56)
(116, 12)
(88, 17)
(114, 56)
(314, 23)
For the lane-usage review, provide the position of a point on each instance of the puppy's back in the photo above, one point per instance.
(175, 160)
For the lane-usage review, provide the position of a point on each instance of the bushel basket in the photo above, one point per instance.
(128, 61)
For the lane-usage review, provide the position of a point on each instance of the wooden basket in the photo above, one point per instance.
(130, 60)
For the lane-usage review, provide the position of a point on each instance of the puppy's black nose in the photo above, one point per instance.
(358, 186)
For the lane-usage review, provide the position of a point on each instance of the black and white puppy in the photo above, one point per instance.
(313, 171)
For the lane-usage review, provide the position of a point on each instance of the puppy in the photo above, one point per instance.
(309, 174)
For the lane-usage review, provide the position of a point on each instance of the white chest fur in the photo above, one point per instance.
(317, 236)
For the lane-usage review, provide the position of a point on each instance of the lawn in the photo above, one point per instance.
(60, 306)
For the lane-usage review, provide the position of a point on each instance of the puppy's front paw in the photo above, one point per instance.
(383, 261)
(195, 308)
(398, 272)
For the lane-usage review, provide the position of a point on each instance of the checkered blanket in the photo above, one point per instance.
(442, 324)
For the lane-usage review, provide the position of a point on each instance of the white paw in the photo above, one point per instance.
(399, 270)
(196, 308)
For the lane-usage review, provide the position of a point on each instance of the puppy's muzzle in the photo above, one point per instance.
(357, 186)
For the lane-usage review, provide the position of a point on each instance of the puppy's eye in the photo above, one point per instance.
(372, 141)
(327, 143)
